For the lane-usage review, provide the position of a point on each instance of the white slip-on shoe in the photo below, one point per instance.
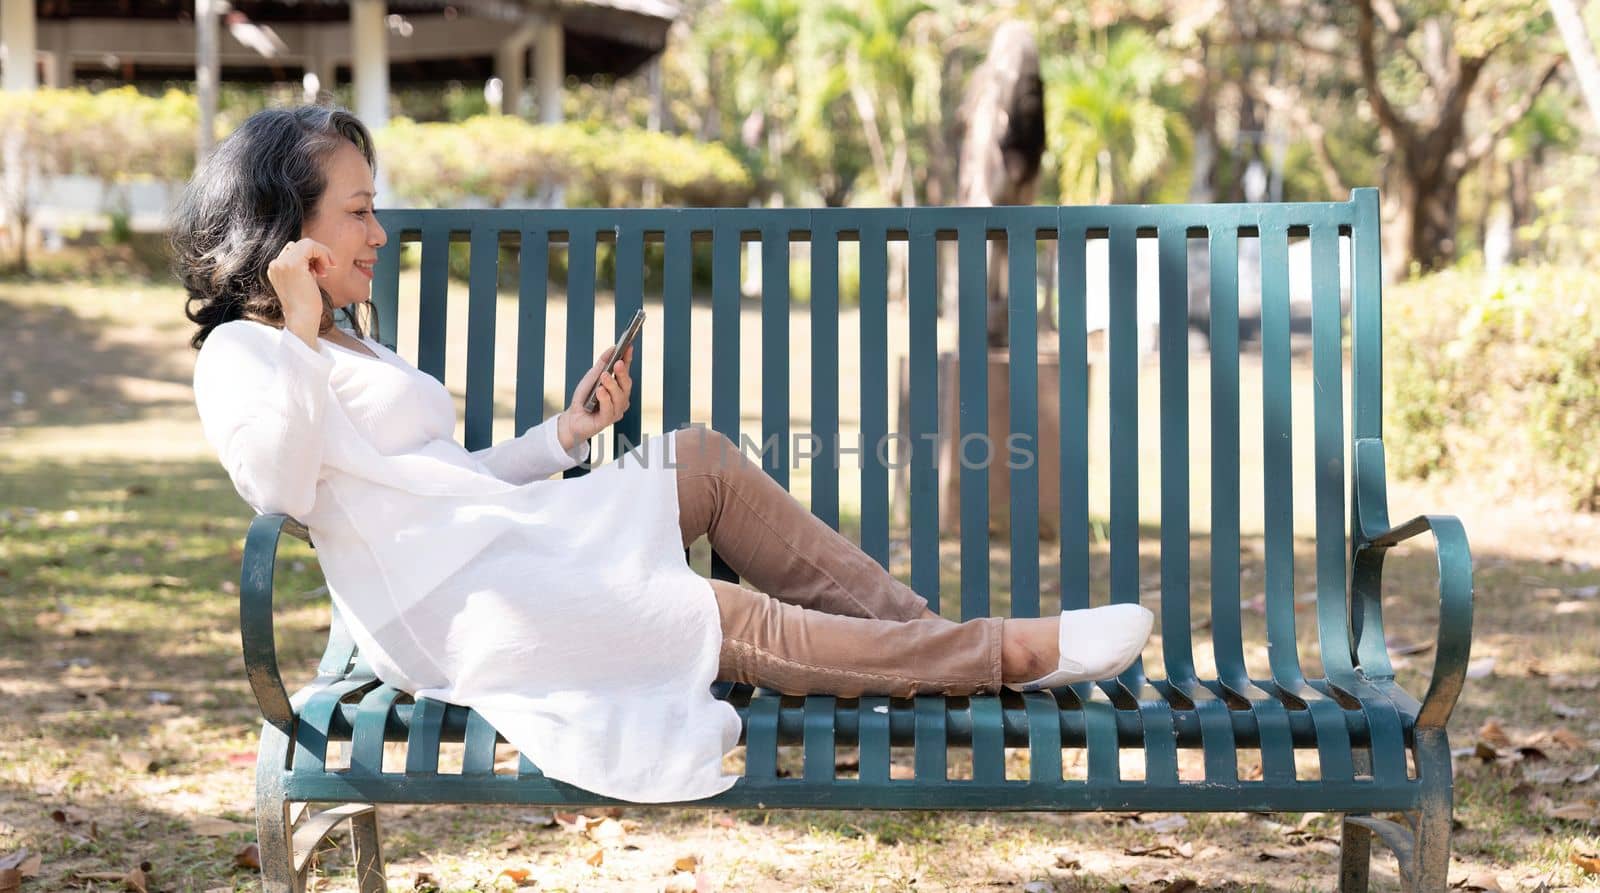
(1096, 643)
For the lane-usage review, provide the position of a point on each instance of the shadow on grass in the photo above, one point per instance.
(62, 369)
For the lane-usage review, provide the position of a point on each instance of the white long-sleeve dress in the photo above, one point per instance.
(562, 610)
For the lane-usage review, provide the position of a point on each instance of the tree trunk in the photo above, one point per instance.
(1428, 208)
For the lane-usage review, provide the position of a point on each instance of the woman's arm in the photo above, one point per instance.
(535, 454)
(261, 393)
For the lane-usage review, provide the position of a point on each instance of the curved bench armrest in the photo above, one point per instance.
(255, 615)
(1454, 647)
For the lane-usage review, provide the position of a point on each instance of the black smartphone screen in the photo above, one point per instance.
(591, 402)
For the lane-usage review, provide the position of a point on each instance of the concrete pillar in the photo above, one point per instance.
(510, 66)
(549, 69)
(369, 61)
(319, 74)
(207, 73)
(19, 37)
(549, 75)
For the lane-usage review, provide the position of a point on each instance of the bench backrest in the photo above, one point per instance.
(1332, 229)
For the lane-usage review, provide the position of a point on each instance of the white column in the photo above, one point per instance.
(510, 62)
(207, 73)
(369, 61)
(549, 74)
(549, 69)
(19, 36)
(319, 70)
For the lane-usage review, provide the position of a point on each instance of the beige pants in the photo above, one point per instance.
(823, 617)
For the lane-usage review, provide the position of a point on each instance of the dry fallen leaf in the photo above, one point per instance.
(135, 879)
(10, 880)
(79, 823)
(1482, 881)
(1492, 734)
(1183, 885)
(596, 857)
(607, 832)
(518, 876)
(1580, 811)
(686, 863)
(1590, 864)
(249, 857)
(212, 826)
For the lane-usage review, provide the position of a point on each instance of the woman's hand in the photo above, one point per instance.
(576, 425)
(294, 274)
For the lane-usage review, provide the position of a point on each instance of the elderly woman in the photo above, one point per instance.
(561, 609)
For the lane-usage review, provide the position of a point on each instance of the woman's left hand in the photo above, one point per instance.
(575, 424)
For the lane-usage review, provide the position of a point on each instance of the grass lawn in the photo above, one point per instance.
(129, 732)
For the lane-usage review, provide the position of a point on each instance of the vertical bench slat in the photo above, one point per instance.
(1044, 738)
(1023, 402)
(533, 308)
(972, 280)
(874, 280)
(1366, 315)
(873, 734)
(477, 756)
(1074, 404)
(482, 289)
(1226, 624)
(1277, 450)
(825, 373)
(818, 739)
(923, 363)
(1327, 362)
(677, 325)
(629, 299)
(386, 282)
(775, 351)
(434, 297)
(725, 313)
(580, 318)
(1220, 749)
(1173, 265)
(423, 738)
(372, 715)
(1123, 340)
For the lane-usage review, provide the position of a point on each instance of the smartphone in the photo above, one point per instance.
(592, 402)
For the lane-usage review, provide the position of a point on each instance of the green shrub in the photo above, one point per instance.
(1497, 378)
(498, 159)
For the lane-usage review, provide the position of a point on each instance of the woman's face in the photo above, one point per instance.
(343, 220)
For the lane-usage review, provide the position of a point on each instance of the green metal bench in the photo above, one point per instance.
(1359, 722)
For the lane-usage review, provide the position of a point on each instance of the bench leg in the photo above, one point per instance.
(369, 853)
(1432, 823)
(274, 840)
(1355, 857)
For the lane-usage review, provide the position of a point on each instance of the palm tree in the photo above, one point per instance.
(1113, 122)
(885, 57)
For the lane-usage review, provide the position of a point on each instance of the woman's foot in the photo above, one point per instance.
(1078, 646)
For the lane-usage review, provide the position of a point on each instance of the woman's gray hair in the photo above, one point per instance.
(250, 198)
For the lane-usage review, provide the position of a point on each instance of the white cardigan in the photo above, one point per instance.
(560, 609)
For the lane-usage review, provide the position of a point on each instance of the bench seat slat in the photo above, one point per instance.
(316, 719)
(988, 740)
(874, 739)
(1044, 737)
(372, 716)
(818, 743)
